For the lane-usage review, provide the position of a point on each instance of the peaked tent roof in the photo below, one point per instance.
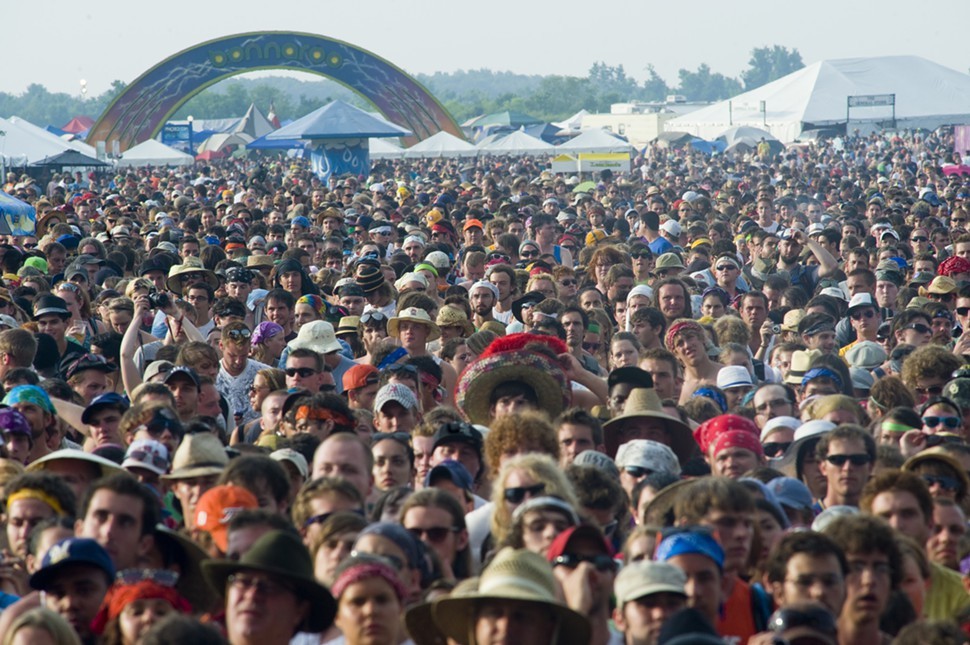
(509, 118)
(21, 146)
(441, 144)
(254, 123)
(928, 95)
(53, 137)
(517, 143)
(338, 120)
(597, 140)
(78, 124)
(575, 122)
(69, 159)
(154, 153)
(221, 140)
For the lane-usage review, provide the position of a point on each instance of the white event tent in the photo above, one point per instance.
(154, 153)
(595, 140)
(75, 144)
(516, 143)
(441, 144)
(927, 95)
(384, 149)
(20, 145)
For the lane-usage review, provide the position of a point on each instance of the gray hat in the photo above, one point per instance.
(645, 578)
(598, 460)
(861, 379)
(649, 455)
(866, 355)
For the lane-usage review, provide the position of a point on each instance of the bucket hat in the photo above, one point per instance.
(198, 455)
(318, 336)
(413, 314)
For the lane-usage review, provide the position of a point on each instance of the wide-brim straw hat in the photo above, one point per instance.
(516, 575)
(659, 510)
(481, 377)
(280, 553)
(451, 317)
(48, 220)
(414, 314)
(643, 403)
(176, 275)
(198, 455)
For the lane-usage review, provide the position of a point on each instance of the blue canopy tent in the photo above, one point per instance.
(16, 217)
(336, 136)
(707, 147)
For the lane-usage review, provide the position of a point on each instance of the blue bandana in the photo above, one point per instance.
(29, 394)
(690, 542)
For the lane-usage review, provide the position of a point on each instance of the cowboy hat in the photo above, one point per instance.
(176, 275)
(643, 403)
(496, 367)
(49, 220)
(513, 575)
(198, 455)
(413, 314)
(452, 317)
(280, 554)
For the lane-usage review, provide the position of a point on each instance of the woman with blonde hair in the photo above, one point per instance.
(41, 625)
(82, 326)
(544, 283)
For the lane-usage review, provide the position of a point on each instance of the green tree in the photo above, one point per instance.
(654, 88)
(770, 63)
(703, 85)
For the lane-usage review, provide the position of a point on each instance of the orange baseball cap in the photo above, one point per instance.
(217, 507)
(472, 223)
(359, 376)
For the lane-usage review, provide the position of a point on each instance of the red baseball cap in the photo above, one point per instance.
(217, 507)
(360, 375)
(558, 546)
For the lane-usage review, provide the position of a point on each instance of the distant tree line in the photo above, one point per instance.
(465, 94)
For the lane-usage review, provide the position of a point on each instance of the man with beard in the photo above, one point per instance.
(792, 243)
(502, 277)
(672, 298)
(33, 402)
(482, 296)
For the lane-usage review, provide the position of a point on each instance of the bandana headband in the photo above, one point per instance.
(34, 493)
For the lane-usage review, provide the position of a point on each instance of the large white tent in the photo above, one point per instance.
(927, 95)
(78, 145)
(595, 140)
(154, 153)
(516, 143)
(441, 144)
(20, 146)
(384, 149)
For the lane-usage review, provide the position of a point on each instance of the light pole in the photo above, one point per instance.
(84, 90)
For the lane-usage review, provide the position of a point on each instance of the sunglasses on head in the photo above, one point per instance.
(368, 316)
(239, 334)
(948, 422)
(164, 577)
(517, 494)
(856, 460)
(601, 561)
(775, 448)
(397, 368)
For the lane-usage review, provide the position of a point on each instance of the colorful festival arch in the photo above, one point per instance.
(140, 111)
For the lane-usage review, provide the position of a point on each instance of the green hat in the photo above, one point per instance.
(959, 390)
(281, 554)
(668, 261)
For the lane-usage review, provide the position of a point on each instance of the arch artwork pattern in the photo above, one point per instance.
(140, 111)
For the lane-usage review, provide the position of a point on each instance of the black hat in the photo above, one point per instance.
(530, 298)
(632, 375)
(238, 274)
(50, 305)
(88, 362)
(458, 432)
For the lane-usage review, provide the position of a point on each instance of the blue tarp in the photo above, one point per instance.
(16, 217)
(707, 147)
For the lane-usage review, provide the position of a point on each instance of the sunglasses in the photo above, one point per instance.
(436, 534)
(323, 517)
(400, 437)
(569, 282)
(941, 297)
(517, 494)
(529, 254)
(948, 422)
(946, 483)
(239, 334)
(726, 267)
(304, 372)
(398, 368)
(163, 577)
(865, 313)
(856, 460)
(641, 255)
(152, 458)
(397, 563)
(920, 238)
(637, 472)
(591, 347)
(368, 316)
(919, 328)
(933, 390)
(775, 448)
(602, 562)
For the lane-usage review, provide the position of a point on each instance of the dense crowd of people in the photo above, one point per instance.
(709, 400)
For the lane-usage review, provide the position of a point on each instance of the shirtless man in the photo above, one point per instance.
(686, 339)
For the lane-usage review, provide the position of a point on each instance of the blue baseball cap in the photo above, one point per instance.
(791, 493)
(453, 471)
(106, 400)
(72, 551)
(300, 221)
(821, 372)
(686, 542)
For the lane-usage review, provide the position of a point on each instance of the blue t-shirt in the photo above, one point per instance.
(660, 245)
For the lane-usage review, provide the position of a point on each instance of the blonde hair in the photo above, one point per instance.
(42, 618)
(544, 469)
(137, 283)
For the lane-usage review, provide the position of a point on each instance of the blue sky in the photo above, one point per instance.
(57, 43)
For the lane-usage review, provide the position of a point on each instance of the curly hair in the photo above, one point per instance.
(542, 468)
(929, 361)
(901, 481)
(862, 534)
(517, 433)
(890, 392)
(731, 329)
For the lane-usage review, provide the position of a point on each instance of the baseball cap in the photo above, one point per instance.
(398, 393)
(458, 432)
(561, 542)
(599, 461)
(155, 368)
(106, 400)
(648, 455)
(360, 375)
(452, 470)
(672, 227)
(293, 457)
(68, 552)
(13, 422)
(645, 578)
(791, 493)
(546, 501)
(182, 371)
(216, 508)
(148, 454)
